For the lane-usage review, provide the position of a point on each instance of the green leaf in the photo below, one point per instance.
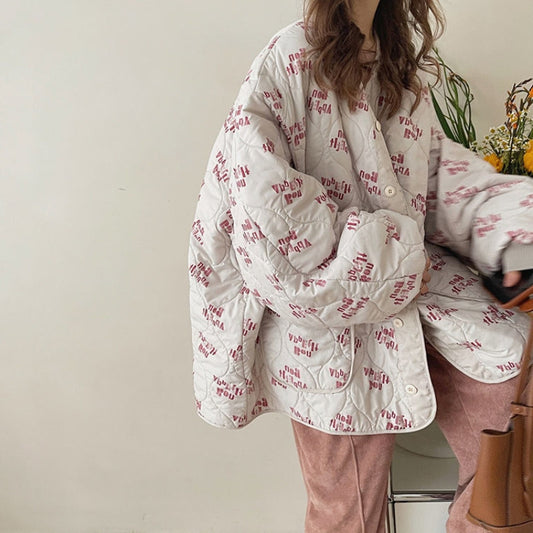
(456, 97)
(441, 117)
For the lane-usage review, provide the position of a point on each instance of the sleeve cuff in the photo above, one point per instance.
(517, 257)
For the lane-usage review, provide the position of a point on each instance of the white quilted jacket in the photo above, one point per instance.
(308, 247)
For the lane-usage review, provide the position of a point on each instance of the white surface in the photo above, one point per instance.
(108, 112)
(413, 473)
(421, 517)
(418, 471)
(429, 442)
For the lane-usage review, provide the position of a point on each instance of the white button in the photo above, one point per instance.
(411, 389)
(390, 191)
(378, 125)
(398, 323)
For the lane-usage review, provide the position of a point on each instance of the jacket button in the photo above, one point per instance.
(411, 389)
(389, 191)
(397, 323)
(378, 125)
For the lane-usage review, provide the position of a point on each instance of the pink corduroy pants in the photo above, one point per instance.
(346, 476)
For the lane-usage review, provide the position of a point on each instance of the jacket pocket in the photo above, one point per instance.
(319, 360)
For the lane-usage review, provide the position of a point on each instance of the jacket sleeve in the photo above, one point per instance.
(304, 259)
(472, 209)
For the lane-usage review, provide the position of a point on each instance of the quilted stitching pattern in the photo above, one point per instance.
(307, 251)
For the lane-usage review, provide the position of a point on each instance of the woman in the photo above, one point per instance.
(329, 187)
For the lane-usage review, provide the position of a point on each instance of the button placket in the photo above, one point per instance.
(388, 183)
(389, 191)
(397, 323)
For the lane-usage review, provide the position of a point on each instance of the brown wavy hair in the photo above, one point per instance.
(336, 42)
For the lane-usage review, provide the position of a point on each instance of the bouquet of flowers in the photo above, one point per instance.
(508, 147)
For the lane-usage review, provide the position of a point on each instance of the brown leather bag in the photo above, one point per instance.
(502, 497)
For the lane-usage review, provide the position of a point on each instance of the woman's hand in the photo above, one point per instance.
(510, 279)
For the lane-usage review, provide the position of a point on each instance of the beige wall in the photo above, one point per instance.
(489, 43)
(108, 112)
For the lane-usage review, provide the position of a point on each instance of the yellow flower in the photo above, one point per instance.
(528, 158)
(495, 161)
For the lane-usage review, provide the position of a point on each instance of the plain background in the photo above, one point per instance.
(108, 110)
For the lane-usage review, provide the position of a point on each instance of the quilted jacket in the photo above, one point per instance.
(308, 247)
